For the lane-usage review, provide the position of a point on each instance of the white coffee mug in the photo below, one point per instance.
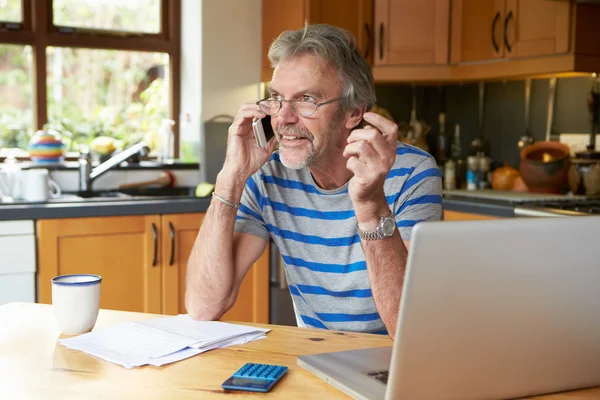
(76, 302)
(37, 185)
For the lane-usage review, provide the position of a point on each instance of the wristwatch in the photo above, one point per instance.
(384, 230)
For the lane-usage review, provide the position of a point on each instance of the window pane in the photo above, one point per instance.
(115, 15)
(10, 11)
(16, 115)
(121, 94)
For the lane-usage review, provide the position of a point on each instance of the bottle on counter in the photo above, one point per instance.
(484, 171)
(166, 142)
(472, 172)
(441, 141)
(449, 175)
(459, 161)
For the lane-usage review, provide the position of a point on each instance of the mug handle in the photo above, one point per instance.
(54, 189)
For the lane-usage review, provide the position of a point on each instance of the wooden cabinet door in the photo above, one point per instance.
(354, 15)
(252, 304)
(537, 28)
(178, 235)
(125, 251)
(409, 32)
(477, 30)
(278, 16)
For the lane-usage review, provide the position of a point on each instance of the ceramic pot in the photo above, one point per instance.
(46, 147)
(544, 166)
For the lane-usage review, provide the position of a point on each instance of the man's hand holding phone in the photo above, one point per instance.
(244, 156)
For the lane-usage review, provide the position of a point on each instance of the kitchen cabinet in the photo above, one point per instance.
(17, 261)
(488, 30)
(412, 32)
(142, 260)
(278, 15)
(463, 216)
(518, 38)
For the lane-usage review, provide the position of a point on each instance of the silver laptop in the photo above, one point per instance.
(490, 310)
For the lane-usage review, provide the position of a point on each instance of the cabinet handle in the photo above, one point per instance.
(368, 36)
(381, 41)
(508, 18)
(155, 235)
(172, 233)
(494, 43)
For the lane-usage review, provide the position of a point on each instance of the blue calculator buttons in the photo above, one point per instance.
(255, 377)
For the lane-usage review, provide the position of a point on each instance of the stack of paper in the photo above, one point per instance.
(160, 341)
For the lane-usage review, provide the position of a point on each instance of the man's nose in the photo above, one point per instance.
(286, 115)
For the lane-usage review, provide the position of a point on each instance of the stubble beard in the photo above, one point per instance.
(284, 151)
(311, 157)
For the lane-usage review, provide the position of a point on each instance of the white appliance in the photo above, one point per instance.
(17, 261)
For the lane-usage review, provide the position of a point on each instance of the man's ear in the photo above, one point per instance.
(355, 118)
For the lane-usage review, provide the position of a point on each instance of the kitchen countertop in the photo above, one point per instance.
(493, 208)
(73, 208)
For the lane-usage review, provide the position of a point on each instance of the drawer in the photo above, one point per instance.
(17, 254)
(17, 287)
(20, 227)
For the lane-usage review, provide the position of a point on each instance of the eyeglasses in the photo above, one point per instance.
(304, 108)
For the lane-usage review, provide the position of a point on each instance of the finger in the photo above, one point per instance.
(361, 149)
(362, 174)
(374, 138)
(385, 126)
(243, 119)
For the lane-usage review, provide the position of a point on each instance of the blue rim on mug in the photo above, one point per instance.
(93, 280)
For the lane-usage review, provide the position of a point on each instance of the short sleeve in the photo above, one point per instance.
(249, 218)
(420, 198)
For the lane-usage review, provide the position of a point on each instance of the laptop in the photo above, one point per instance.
(490, 310)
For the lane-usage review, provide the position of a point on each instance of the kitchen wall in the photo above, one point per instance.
(504, 120)
(221, 55)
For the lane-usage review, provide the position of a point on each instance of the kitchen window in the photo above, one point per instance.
(88, 68)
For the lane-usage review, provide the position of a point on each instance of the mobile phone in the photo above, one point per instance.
(263, 131)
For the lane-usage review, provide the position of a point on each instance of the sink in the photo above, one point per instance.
(181, 191)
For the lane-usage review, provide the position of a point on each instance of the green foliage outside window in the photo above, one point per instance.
(90, 92)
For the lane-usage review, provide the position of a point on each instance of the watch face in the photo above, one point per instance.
(387, 228)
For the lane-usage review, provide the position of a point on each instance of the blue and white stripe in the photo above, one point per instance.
(315, 231)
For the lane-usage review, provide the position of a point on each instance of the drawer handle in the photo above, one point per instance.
(506, 21)
(155, 236)
(172, 233)
(494, 43)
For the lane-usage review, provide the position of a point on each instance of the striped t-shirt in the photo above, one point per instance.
(315, 231)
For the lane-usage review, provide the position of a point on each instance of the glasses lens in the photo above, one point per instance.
(270, 107)
(304, 108)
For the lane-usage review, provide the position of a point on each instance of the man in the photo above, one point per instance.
(339, 197)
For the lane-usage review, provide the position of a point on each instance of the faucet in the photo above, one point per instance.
(87, 174)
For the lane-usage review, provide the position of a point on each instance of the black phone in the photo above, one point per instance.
(263, 131)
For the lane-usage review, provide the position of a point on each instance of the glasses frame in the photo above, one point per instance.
(292, 102)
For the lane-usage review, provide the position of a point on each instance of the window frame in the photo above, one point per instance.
(38, 30)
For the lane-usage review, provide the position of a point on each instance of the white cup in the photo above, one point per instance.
(76, 302)
(37, 186)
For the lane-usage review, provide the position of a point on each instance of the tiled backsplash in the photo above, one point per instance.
(504, 117)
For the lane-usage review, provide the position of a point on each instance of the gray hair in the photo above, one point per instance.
(337, 47)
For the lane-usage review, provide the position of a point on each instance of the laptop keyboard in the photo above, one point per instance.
(381, 376)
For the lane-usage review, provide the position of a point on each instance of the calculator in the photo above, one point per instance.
(255, 377)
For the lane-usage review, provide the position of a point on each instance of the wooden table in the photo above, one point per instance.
(34, 366)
